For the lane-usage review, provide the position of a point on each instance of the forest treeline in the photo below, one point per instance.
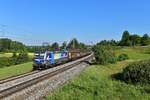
(8, 45)
(128, 40)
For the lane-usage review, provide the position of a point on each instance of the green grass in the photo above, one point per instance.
(15, 70)
(96, 82)
(10, 54)
(134, 53)
(5, 54)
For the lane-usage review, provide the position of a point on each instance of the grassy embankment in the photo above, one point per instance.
(96, 82)
(6, 54)
(14, 70)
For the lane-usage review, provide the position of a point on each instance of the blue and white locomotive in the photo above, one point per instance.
(47, 59)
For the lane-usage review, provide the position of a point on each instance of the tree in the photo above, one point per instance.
(74, 44)
(35, 48)
(82, 46)
(45, 46)
(64, 45)
(145, 40)
(55, 46)
(9, 45)
(104, 54)
(108, 42)
(103, 42)
(125, 41)
(5, 44)
(135, 39)
(113, 42)
(17, 46)
(14, 55)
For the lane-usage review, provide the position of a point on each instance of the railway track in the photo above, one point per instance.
(10, 86)
(17, 77)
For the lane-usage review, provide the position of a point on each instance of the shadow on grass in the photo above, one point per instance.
(147, 91)
(118, 76)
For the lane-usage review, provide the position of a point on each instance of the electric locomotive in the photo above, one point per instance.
(48, 59)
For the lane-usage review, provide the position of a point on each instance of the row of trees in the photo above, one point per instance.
(108, 42)
(7, 45)
(73, 44)
(132, 40)
(128, 40)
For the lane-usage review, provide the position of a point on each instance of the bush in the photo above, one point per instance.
(4, 61)
(137, 73)
(14, 55)
(14, 60)
(104, 54)
(123, 57)
(22, 57)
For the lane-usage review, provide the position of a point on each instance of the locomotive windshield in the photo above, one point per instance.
(39, 55)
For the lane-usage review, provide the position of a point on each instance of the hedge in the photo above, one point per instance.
(14, 60)
(137, 72)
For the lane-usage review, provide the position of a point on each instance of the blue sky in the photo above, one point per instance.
(37, 21)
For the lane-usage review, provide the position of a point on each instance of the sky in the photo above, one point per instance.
(35, 21)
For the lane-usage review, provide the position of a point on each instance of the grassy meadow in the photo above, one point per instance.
(135, 53)
(96, 82)
(6, 54)
(15, 70)
(11, 54)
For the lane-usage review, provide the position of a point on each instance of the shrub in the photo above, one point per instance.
(14, 55)
(22, 57)
(3, 61)
(123, 57)
(14, 60)
(137, 73)
(104, 54)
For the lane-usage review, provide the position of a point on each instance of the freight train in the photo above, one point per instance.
(48, 59)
